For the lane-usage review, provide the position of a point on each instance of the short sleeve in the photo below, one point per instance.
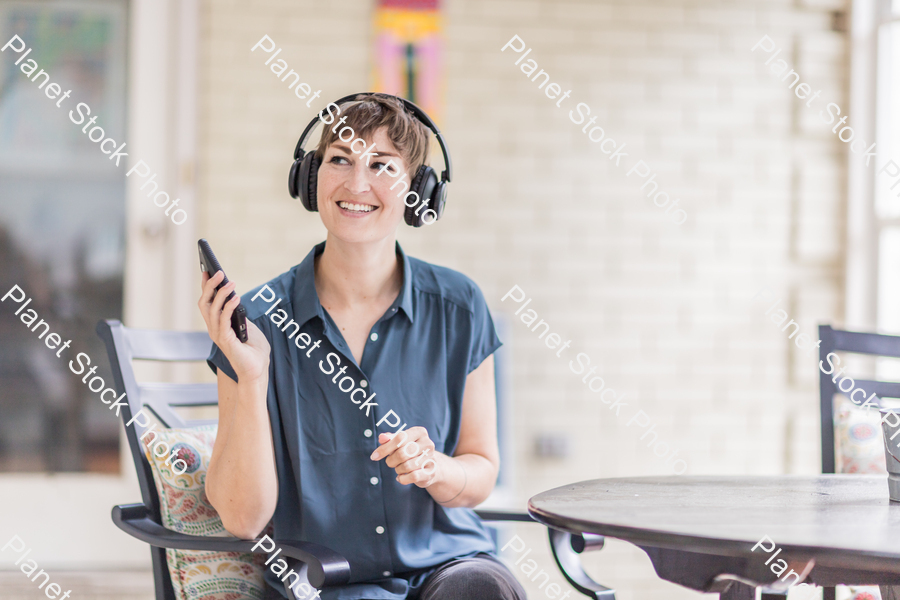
(217, 360)
(484, 336)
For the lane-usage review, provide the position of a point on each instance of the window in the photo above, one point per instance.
(887, 203)
(62, 204)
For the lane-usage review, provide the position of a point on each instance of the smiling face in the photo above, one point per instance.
(355, 203)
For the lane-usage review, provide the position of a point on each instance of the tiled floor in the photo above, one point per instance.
(118, 585)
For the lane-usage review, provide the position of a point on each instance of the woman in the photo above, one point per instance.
(296, 446)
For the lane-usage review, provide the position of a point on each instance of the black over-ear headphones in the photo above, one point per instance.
(432, 193)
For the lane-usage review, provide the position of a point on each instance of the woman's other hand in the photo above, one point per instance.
(411, 454)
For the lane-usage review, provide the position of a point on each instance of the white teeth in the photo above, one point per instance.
(356, 207)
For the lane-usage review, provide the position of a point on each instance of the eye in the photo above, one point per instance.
(380, 165)
(336, 160)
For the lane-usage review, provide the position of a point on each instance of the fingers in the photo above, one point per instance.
(218, 303)
(404, 454)
(410, 453)
(225, 316)
(209, 284)
(256, 338)
(213, 305)
(423, 461)
(410, 450)
(419, 471)
(389, 444)
(208, 287)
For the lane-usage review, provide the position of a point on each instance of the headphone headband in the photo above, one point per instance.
(415, 110)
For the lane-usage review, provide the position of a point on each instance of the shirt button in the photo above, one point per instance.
(374, 337)
(379, 529)
(387, 573)
(374, 481)
(363, 383)
(367, 433)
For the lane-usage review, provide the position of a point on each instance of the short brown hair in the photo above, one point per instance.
(367, 113)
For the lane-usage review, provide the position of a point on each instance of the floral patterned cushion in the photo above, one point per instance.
(858, 449)
(185, 508)
(865, 593)
(857, 437)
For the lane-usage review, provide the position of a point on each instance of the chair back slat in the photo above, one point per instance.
(161, 398)
(882, 389)
(857, 342)
(180, 346)
(182, 394)
(866, 343)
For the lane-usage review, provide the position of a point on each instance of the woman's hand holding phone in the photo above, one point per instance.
(250, 360)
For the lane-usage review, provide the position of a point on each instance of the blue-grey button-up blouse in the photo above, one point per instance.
(327, 411)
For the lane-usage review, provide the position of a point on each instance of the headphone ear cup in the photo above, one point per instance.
(292, 179)
(409, 215)
(423, 185)
(313, 182)
(307, 181)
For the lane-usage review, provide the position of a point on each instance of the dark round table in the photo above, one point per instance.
(699, 531)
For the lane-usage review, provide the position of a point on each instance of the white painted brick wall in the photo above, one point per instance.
(666, 311)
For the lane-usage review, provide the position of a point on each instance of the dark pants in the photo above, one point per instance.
(481, 577)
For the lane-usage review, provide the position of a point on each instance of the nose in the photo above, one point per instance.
(358, 180)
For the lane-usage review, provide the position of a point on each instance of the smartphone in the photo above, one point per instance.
(209, 264)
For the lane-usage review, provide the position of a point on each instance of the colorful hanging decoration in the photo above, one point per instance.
(408, 59)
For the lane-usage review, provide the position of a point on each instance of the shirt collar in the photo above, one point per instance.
(405, 299)
(305, 300)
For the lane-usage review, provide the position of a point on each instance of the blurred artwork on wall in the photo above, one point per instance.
(74, 46)
(407, 54)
